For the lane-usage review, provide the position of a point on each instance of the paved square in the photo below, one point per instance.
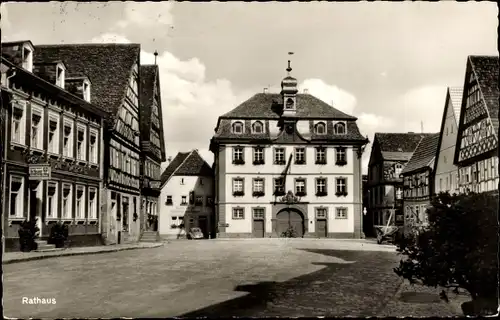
(258, 277)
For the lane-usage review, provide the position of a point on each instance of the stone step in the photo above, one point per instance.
(45, 246)
(49, 250)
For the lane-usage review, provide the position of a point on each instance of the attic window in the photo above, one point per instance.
(398, 168)
(257, 127)
(320, 128)
(289, 103)
(86, 91)
(339, 128)
(60, 76)
(238, 127)
(27, 59)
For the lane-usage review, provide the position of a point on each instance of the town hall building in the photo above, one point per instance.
(287, 164)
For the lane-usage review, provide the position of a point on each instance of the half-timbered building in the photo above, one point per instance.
(53, 147)
(418, 180)
(476, 152)
(445, 171)
(287, 163)
(152, 144)
(113, 70)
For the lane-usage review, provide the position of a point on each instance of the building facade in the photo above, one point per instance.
(418, 180)
(389, 155)
(286, 162)
(152, 145)
(446, 173)
(53, 147)
(476, 152)
(113, 70)
(187, 195)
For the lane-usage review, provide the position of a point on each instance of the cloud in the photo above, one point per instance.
(110, 38)
(341, 99)
(4, 16)
(147, 15)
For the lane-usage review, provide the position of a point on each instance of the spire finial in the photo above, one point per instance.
(289, 67)
(156, 54)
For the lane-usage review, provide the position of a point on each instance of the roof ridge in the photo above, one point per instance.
(177, 168)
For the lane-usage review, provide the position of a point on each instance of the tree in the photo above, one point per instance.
(458, 249)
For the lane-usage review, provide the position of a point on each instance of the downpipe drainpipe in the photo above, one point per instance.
(3, 155)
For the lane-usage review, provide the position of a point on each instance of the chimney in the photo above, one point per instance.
(265, 90)
(306, 90)
(169, 159)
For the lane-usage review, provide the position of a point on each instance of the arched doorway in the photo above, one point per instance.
(290, 218)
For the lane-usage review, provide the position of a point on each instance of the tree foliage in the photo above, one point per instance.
(459, 247)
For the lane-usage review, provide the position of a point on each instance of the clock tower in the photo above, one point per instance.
(289, 93)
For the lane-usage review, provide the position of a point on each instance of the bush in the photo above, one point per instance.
(289, 233)
(28, 232)
(458, 249)
(58, 234)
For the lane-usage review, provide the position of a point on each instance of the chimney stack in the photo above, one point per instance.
(265, 90)
(169, 159)
(306, 90)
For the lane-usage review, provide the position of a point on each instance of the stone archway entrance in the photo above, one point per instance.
(290, 217)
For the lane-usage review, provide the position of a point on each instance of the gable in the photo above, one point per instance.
(448, 136)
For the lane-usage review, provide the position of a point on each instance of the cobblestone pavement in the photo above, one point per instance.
(278, 277)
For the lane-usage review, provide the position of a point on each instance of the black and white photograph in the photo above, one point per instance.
(184, 159)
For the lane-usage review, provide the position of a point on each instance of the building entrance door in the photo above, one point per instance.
(290, 219)
(321, 229)
(203, 225)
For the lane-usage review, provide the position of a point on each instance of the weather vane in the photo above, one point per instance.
(289, 67)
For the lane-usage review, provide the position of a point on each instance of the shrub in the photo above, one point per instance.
(458, 249)
(58, 234)
(28, 232)
(289, 233)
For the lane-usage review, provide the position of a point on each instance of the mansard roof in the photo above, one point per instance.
(187, 164)
(108, 66)
(424, 154)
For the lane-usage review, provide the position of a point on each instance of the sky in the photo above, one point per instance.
(387, 63)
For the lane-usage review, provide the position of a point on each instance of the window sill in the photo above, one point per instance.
(93, 165)
(92, 221)
(15, 220)
(341, 218)
(234, 218)
(36, 151)
(184, 204)
(169, 204)
(50, 221)
(320, 162)
(301, 163)
(68, 159)
(82, 162)
(54, 155)
(80, 221)
(16, 145)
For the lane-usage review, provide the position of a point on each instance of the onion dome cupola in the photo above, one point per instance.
(289, 93)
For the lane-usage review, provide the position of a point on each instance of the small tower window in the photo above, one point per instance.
(320, 128)
(289, 103)
(257, 127)
(86, 91)
(237, 127)
(27, 59)
(340, 128)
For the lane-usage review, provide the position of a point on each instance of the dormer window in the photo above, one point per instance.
(397, 169)
(238, 127)
(28, 58)
(289, 103)
(60, 76)
(86, 91)
(257, 127)
(320, 128)
(339, 128)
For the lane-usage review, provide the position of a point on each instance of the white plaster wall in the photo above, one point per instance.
(175, 189)
(240, 225)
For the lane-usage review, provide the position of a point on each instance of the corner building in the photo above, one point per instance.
(284, 161)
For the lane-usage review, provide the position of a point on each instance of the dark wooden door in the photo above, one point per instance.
(321, 230)
(290, 218)
(258, 228)
(203, 225)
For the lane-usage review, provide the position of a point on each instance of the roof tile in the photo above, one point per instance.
(456, 94)
(424, 154)
(399, 142)
(486, 69)
(187, 164)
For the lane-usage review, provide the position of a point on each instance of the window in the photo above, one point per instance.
(289, 103)
(417, 211)
(300, 156)
(321, 187)
(447, 184)
(93, 147)
(198, 201)
(341, 157)
(320, 128)
(60, 76)
(339, 128)
(182, 180)
(80, 203)
(238, 213)
(258, 155)
(258, 213)
(184, 200)
(341, 213)
(238, 156)
(27, 59)
(238, 127)
(80, 150)
(279, 187)
(92, 203)
(210, 201)
(66, 203)
(300, 187)
(52, 200)
(18, 122)
(320, 155)
(257, 127)
(16, 196)
(451, 128)
(86, 91)
(53, 135)
(258, 186)
(36, 130)
(321, 213)
(238, 187)
(279, 156)
(473, 95)
(169, 201)
(341, 186)
(399, 194)
(68, 140)
(398, 168)
(446, 131)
